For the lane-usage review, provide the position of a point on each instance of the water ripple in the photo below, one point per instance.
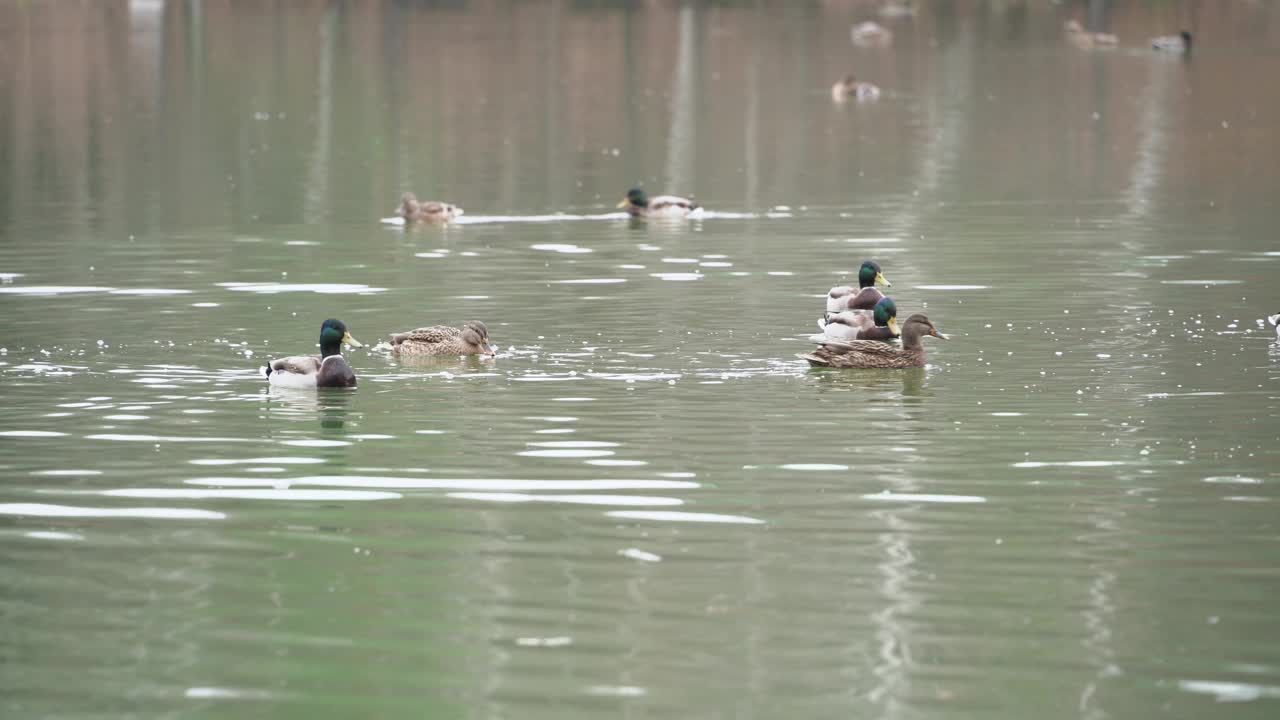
(43, 510)
(692, 517)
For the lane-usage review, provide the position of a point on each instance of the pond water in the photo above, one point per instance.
(646, 505)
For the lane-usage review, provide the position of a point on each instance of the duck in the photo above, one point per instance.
(850, 87)
(880, 323)
(414, 210)
(329, 369)
(863, 297)
(898, 9)
(639, 204)
(1180, 43)
(470, 339)
(1084, 39)
(1275, 321)
(871, 34)
(873, 354)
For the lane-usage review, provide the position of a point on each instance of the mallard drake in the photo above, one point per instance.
(1173, 43)
(413, 210)
(850, 87)
(880, 323)
(470, 339)
(1084, 39)
(872, 354)
(639, 204)
(330, 369)
(863, 297)
(870, 34)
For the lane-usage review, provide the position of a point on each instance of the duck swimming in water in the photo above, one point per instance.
(880, 323)
(850, 87)
(470, 339)
(413, 210)
(638, 204)
(1275, 320)
(1180, 43)
(1086, 40)
(330, 369)
(870, 34)
(873, 354)
(863, 297)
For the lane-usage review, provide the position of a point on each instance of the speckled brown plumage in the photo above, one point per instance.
(874, 354)
(413, 210)
(470, 339)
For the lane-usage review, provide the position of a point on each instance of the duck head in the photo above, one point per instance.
(636, 197)
(408, 206)
(916, 327)
(475, 334)
(885, 314)
(869, 274)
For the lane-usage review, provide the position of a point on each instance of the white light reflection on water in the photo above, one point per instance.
(264, 494)
(1230, 691)
(45, 510)
(924, 498)
(478, 484)
(689, 517)
(568, 499)
(272, 288)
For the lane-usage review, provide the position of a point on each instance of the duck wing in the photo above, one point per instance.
(847, 325)
(667, 202)
(433, 334)
(838, 297)
(296, 365)
(864, 354)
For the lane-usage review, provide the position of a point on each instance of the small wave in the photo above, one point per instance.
(692, 517)
(43, 510)
(568, 499)
(473, 484)
(924, 497)
(272, 288)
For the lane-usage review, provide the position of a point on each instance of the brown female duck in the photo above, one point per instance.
(470, 339)
(873, 354)
(413, 210)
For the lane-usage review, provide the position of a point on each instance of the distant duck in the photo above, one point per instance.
(1275, 320)
(880, 323)
(871, 34)
(1180, 43)
(639, 204)
(850, 87)
(330, 369)
(863, 297)
(1084, 39)
(470, 339)
(898, 8)
(873, 354)
(413, 210)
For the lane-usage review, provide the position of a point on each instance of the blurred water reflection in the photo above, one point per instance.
(645, 505)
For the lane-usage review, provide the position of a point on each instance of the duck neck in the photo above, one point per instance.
(879, 332)
(328, 348)
(911, 338)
